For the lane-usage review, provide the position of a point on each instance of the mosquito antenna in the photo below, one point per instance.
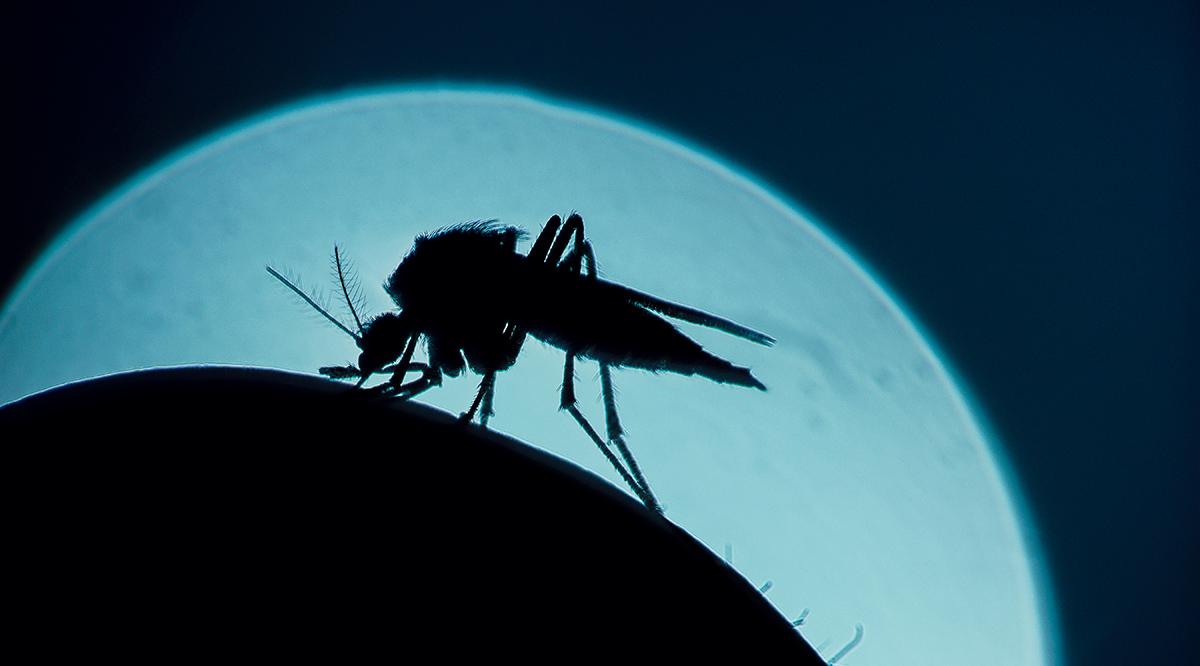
(308, 299)
(341, 275)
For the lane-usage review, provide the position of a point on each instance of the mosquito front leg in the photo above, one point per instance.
(395, 387)
(429, 378)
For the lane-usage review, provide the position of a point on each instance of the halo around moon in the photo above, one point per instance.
(861, 483)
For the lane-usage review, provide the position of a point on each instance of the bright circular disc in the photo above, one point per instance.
(860, 484)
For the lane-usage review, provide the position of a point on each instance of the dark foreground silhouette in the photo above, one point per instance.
(234, 512)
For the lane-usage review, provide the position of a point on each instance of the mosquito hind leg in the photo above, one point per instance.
(582, 255)
(541, 246)
(573, 227)
(547, 249)
(567, 403)
(616, 435)
(429, 378)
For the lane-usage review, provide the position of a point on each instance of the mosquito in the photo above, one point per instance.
(473, 298)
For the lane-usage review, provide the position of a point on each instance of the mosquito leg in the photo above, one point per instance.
(541, 246)
(582, 255)
(573, 227)
(401, 368)
(547, 249)
(591, 432)
(581, 250)
(394, 384)
(567, 402)
(429, 378)
(513, 335)
(415, 366)
(485, 411)
(616, 436)
(567, 394)
(537, 254)
(486, 386)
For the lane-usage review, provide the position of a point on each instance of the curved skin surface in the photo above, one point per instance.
(218, 510)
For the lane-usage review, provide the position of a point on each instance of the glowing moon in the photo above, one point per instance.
(861, 483)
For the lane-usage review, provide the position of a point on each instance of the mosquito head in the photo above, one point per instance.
(383, 340)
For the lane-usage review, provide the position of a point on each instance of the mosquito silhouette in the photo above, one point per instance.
(474, 299)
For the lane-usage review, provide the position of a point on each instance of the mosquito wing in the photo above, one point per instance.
(690, 315)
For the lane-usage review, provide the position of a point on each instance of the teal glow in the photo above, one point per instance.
(38, 286)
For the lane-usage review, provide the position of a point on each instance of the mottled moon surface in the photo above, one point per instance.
(861, 484)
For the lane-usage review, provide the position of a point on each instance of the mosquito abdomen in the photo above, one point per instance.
(598, 324)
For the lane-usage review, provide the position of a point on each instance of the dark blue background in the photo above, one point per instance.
(1023, 177)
